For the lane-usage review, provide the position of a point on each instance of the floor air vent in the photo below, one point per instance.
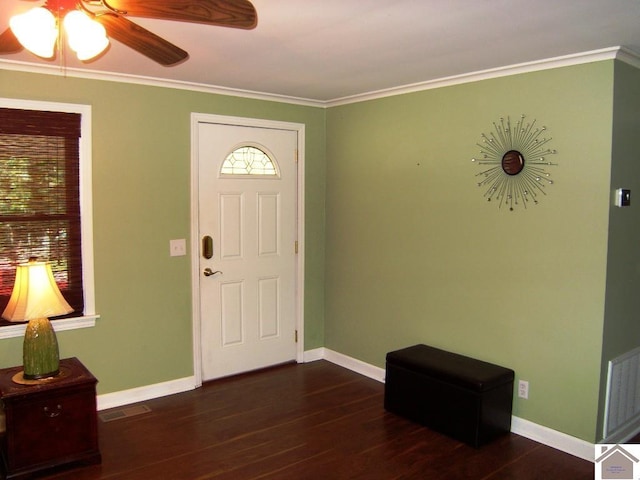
(125, 412)
(623, 392)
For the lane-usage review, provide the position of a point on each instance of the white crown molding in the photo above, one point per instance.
(620, 53)
(538, 65)
(152, 81)
(629, 56)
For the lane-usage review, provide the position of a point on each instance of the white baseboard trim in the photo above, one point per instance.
(313, 355)
(552, 438)
(546, 436)
(355, 365)
(158, 390)
(141, 394)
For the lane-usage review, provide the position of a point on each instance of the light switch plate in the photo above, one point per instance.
(622, 197)
(178, 247)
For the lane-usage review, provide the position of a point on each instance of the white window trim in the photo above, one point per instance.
(88, 319)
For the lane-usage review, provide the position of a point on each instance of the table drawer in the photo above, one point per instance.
(55, 427)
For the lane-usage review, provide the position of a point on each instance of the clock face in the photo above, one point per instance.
(515, 159)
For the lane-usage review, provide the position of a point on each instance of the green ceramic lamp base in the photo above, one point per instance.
(41, 356)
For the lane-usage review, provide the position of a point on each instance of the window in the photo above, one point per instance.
(43, 170)
(248, 160)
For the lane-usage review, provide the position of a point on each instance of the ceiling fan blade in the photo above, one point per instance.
(141, 40)
(226, 13)
(9, 43)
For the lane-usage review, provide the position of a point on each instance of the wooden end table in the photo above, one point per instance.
(48, 423)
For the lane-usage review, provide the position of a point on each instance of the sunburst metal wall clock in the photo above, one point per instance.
(517, 157)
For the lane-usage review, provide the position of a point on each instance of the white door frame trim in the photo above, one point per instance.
(299, 128)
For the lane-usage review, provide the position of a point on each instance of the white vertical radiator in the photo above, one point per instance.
(622, 407)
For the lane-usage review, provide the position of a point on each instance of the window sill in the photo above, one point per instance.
(58, 325)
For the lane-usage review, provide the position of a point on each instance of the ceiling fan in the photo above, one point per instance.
(112, 15)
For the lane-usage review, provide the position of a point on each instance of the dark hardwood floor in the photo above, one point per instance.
(309, 421)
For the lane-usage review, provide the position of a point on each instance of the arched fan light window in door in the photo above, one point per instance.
(249, 160)
(88, 25)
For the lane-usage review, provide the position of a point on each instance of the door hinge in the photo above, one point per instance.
(296, 336)
(295, 247)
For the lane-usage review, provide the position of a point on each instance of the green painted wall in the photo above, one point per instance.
(416, 255)
(412, 252)
(141, 181)
(622, 329)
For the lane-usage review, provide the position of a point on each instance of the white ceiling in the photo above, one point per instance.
(330, 49)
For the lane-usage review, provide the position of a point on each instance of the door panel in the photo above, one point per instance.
(231, 226)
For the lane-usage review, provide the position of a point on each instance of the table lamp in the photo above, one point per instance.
(35, 297)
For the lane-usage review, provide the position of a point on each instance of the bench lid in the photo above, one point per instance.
(451, 367)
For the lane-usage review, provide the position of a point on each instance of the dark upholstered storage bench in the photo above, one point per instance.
(464, 398)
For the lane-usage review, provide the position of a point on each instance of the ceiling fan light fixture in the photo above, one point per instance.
(36, 30)
(87, 37)
(86, 23)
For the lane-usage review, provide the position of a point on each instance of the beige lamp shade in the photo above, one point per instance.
(35, 294)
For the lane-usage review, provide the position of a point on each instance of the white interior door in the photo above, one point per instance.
(247, 239)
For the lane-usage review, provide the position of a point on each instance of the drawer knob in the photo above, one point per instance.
(51, 413)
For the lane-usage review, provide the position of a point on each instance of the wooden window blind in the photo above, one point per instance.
(40, 198)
